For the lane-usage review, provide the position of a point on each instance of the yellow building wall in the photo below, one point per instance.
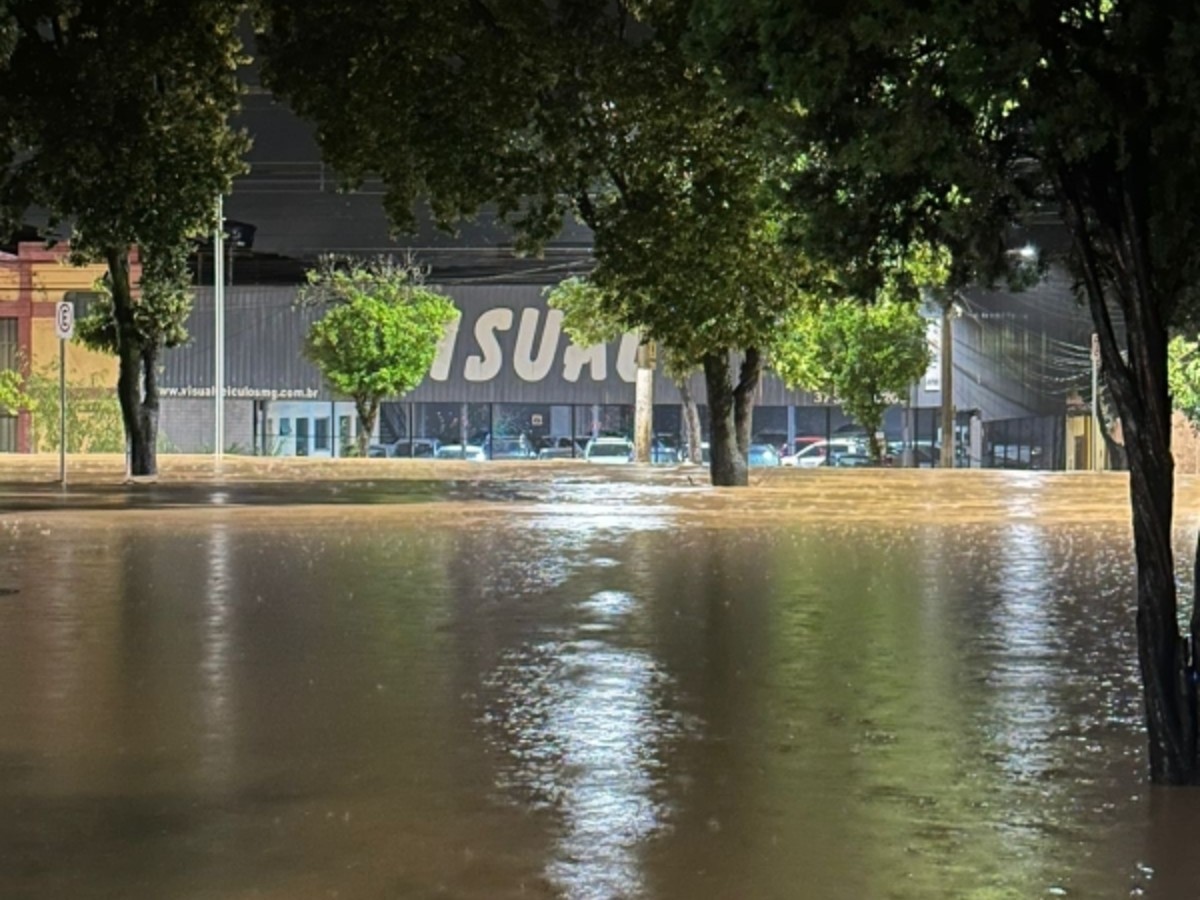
(10, 284)
(50, 282)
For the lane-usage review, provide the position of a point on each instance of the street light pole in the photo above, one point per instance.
(219, 332)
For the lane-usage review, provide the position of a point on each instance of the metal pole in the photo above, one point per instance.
(948, 436)
(219, 332)
(62, 410)
(1094, 443)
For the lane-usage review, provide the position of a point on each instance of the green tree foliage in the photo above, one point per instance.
(549, 110)
(380, 334)
(865, 355)
(93, 416)
(591, 316)
(13, 396)
(115, 123)
(947, 123)
(1183, 373)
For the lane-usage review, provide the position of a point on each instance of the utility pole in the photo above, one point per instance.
(947, 453)
(643, 404)
(219, 332)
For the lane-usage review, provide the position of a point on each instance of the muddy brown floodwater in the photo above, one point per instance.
(490, 682)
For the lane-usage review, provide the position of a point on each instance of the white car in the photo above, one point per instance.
(609, 451)
(820, 453)
(470, 452)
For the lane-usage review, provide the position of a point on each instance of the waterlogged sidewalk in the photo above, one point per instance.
(29, 483)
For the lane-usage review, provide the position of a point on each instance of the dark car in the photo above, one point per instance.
(420, 448)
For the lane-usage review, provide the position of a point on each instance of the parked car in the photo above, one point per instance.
(798, 444)
(664, 450)
(854, 460)
(426, 448)
(609, 451)
(559, 448)
(761, 455)
(470, 452)
(497, 446)
(823, 453)
(921, 454)
(420, 448)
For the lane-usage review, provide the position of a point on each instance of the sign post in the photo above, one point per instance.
(64, 329)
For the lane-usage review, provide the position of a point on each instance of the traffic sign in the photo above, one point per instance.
(64, 320)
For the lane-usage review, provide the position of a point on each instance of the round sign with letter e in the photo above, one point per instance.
(64, 320)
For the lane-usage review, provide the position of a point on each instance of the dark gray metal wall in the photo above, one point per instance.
(503, 327)
(1016, 355)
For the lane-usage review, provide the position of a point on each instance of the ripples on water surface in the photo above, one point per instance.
(824, 687)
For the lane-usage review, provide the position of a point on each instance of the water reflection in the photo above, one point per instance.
(1021, 622)
(584, 722)
(217, 599)
(654, 694)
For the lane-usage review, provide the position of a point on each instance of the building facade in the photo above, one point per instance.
(32, 282)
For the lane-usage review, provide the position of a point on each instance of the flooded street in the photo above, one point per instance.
(835, 685)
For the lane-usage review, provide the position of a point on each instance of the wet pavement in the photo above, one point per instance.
(489, 681)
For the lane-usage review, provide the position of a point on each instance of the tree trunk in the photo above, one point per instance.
(728, 465)
(1114, 451)
(1141, 395)
(691, 421)
(1167, 667)
(131, 367)
(875, 447)
(749, 379)
(367, 410)
(144, 451)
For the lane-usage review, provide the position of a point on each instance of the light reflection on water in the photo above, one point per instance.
(218, 596)
(578, 694)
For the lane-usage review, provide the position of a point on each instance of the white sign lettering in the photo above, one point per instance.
(526, 367)
(487, 367)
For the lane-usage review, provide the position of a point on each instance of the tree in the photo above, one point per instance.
(948, 123)
(549, 110)
(93, 416)
(590, 317)
(380, 334)
(866, 355)
(1183, 373)
(115, 123)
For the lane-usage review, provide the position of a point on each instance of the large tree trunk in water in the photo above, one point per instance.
(728, 466)
(140, 422)
(749, 379)
(1140, 393)
(691, 421)
(1166, 659)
